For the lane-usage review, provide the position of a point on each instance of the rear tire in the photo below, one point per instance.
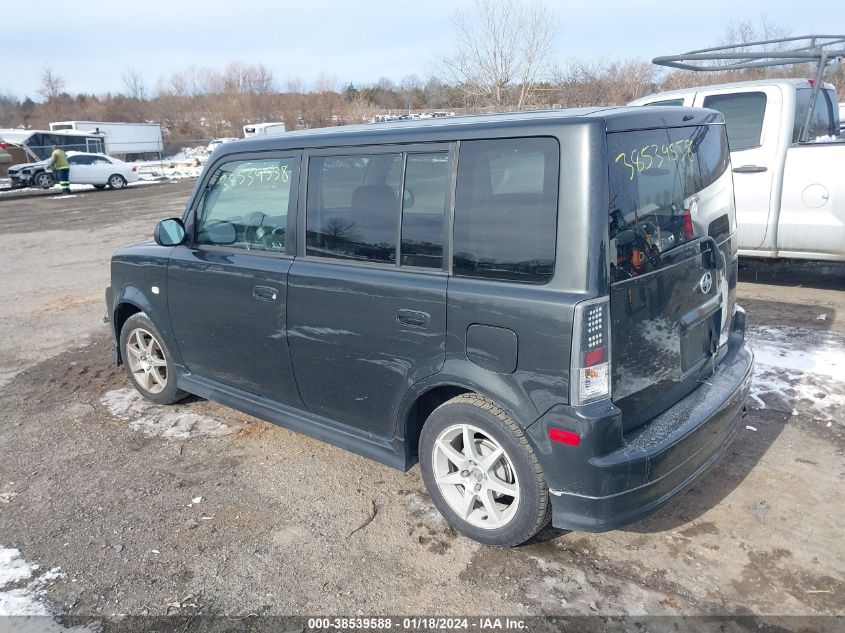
(148, 361)
(116, 181)
(494, 493)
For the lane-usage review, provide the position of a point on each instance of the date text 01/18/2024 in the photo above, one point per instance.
(416, 623)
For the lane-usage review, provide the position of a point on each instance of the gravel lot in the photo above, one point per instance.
(200, 509)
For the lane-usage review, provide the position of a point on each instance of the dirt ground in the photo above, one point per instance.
(200, 509)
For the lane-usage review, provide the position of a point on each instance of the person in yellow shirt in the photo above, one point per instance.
(61, 168)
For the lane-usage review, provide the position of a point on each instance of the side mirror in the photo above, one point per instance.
(170, 232)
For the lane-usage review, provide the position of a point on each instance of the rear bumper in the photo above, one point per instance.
(596, 492)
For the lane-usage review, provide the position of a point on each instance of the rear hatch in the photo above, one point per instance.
(672, 263)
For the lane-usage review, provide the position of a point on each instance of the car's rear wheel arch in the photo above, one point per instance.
(418, 413)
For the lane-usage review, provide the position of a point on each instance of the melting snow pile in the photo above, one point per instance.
(799, 371)
(169, 422)
(16, 596)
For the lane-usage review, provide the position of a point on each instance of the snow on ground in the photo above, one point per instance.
(169, 422)
(18, 597)
(799, 371)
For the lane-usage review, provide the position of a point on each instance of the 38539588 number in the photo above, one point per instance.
(653, 156)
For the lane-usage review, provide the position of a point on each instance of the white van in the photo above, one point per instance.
(263, 129)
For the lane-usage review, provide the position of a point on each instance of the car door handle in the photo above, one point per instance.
(413, 318)
(750, 169)
(265, 293)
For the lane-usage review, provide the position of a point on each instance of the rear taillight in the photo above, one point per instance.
(590, 376)
(134, 167)
(688, 231)
(3, 146)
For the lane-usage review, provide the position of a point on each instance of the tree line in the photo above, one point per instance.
(501, 61)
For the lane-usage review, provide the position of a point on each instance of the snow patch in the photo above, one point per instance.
(798, 371)
(25, 600)
(169, 422)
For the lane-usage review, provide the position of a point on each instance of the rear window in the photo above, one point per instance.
(506, 209)
(654, 178)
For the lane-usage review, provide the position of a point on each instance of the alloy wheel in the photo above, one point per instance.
(146, 360)
(475, 476)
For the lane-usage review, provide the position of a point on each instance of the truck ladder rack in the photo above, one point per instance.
(789, 50)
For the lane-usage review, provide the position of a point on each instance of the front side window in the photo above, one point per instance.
(743, 112)
(246, 205)
(506, 203)
(353, 207)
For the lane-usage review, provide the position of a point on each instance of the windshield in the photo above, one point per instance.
(664, 192)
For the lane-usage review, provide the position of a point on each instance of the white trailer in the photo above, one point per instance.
(260, 129)
(122, 139)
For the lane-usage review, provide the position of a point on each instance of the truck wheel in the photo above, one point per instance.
(116, 181)
(43, 180)
(148, 362)
(481, 472)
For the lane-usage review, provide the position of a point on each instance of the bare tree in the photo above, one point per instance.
(52, 85)
(133, 84)
(502, 50)
(52, 88)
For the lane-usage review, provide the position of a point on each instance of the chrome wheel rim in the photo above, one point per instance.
(146, 360)
(475, 476)
(116, 182)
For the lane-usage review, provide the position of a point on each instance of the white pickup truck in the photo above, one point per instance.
(790, 195)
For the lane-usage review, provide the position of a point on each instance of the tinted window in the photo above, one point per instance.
(743, 113)
(100, 160)
(506, 209)
(668, 102)
(822, 121)
(425, 199)
(353, 207)
(654, 176)
(246, 205)
(79, 160)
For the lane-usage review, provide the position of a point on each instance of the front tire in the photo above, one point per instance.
(148, 361)
(482, 474)
(116, 181)
(43, 180)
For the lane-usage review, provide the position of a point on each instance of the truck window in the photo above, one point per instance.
(743, 112)
(823, 120)
(654, 179)
(668, 102)
(506, 209)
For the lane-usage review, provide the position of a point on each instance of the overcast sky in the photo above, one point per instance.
(91, 42)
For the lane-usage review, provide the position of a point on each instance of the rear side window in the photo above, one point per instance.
(424, 204)
(743, 112)
(654, 179)
(353, 207)
(506, 203)
(667, 102)
(823, 120)
(246, 205)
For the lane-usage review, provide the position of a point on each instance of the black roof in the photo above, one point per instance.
(611, 119)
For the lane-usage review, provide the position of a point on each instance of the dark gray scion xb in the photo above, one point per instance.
(539, 308)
